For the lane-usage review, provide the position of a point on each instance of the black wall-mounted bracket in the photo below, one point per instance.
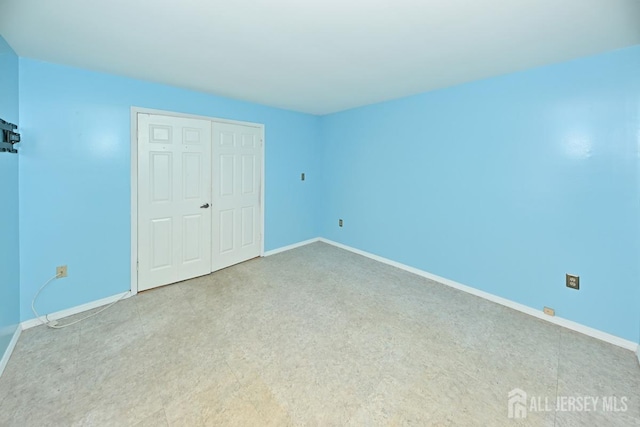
(8, 137)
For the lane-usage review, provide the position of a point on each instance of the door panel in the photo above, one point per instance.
(237, 162)
(248, 172)
(193, 177)
(161, 177)
(160, 243)
(192, 238)
(226, 231)
(248, 221)
(174, 181)
(226, 176)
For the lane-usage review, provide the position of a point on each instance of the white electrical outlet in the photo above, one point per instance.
(61, 271)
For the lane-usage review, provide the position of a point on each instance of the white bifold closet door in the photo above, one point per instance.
(174, 199)
(237, 175)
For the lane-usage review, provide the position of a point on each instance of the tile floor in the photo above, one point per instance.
(316, 336)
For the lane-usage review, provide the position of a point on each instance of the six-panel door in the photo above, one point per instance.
(174, 192)
(237, 219)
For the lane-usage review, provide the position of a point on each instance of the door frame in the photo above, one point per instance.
(134, 177)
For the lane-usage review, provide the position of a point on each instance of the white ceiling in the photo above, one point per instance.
(315, 56)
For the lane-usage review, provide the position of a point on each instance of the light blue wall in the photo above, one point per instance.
(75, 176)
(9, 244)
(504, 184)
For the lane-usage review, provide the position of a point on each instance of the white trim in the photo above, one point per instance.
(136, 110)
(27, 324)
(134, 177)
(134, 200)
(262, 180)
(586, 330)
(289, 247)
(12, 344)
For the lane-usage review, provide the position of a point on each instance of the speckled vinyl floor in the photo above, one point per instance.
(317, 337)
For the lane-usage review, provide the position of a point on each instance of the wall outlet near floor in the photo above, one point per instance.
(339, 223)
(61, 271)
(573, 281)
(549, 311)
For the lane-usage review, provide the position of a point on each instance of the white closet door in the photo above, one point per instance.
(237, 214)
(174, 199)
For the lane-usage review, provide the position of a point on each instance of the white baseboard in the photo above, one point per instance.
(586, 330)
(12, 344)
(289, 247)
(77, 309)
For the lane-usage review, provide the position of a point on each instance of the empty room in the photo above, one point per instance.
(285, 213)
